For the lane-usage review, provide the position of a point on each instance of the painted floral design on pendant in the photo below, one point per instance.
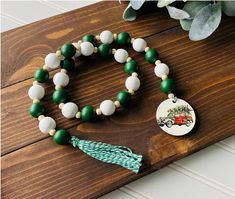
(175, 117)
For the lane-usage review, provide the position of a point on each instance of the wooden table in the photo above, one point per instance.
(32, 166)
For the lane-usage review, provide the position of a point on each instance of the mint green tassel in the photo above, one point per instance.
(108, 153)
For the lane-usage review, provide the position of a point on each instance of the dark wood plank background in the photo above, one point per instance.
(204, 73)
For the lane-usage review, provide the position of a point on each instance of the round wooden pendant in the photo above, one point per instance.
(175, 117)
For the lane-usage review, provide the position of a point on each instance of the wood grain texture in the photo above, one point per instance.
(204, 74)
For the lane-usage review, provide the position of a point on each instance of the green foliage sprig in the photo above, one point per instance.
(200, 18)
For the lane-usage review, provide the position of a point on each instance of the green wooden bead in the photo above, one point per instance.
(123, 38)
(68, 64)
(167, 85)
(89, 38)
(36, 109)
(131, 67)
(151, 55)
(61, 137)
(88, 113)
(59, 96)
(41, 75)
(105, 50)
(124, 97)
(68, 50)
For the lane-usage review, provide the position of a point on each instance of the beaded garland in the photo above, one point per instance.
(64, 57)
(104, 152)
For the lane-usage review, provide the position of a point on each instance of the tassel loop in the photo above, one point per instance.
(108, 153)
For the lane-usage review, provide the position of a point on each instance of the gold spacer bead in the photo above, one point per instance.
(115, 36)
(79, 42)
(134, 74)
(52, 132)
(78, 115)
(131, 91)
(61, 105)
(57, 87)
(45, 67)
(114, 51)
(98, 111)
(97, 37)
(40, 117)
(171, 95)
(36, 100)
(132, 40)
(128, 59)
(58, 53)
(95, 50)
(157, 62)
(117, 104)
(76, 45)
(63, 70)
(146, 49)
(35, 82)
(164, 77)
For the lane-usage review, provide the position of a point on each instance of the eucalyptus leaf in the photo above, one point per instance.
(176, 13)
(163, 3)
(228, 8)
(136, 4)
(129, 13)
(205, 22)
(186, 24)
(192, 8)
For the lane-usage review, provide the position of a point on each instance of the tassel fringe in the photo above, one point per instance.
(108, 153)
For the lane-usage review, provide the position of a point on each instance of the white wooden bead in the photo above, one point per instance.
(69, 110)
(52, 60)
(87, 48)
(171, 95)
(106, 37)
(139, 45)
(61, 79)
(132, 83)
(46, 124)
(107, 107)
(161, 69)
(121, 55)
(36, 92)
